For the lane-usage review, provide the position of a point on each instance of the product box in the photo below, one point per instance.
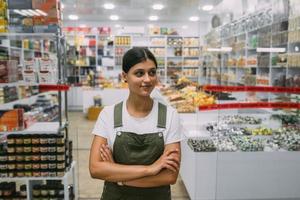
(8, 71)
(11, 120)
(45, 77)
(93, 112)
(30, 76)
(45, 64)
(51, 7)
(19, 4)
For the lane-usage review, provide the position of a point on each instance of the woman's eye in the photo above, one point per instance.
(152, 73)
(139, 74)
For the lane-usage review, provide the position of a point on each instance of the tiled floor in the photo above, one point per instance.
(80, 133)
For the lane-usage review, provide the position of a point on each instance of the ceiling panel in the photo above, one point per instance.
(137, 10)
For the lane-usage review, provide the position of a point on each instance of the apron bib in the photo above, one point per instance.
(137, 149)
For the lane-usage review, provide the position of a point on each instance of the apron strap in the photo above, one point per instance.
(161, 118)
(162, 115)
(118, 115)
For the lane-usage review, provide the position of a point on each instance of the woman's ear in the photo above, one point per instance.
(124, 76)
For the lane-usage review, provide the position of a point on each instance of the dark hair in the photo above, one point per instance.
(136, 55)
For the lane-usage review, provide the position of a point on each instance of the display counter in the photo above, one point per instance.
(238, 174)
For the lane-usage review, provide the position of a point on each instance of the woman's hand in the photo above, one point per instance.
(168, 160)
(106, 153)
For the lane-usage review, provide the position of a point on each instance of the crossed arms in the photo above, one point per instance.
(163, 171)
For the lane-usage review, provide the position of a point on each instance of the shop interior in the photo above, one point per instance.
(231, 69)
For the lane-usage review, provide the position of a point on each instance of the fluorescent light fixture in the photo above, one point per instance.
(73, 17)
(226, 49)
(117, 25)
(214, 49)
(184, 27)
(222, 49)
(296, 48)
(158, 6)
(109, 6)
(153, 18)
(41, 12)
(34, 12)
(194, 18)
(27, 13)
(271, 50)
(114, 17)
(19, 12)
(207, 7)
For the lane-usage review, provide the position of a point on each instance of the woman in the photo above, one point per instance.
(136, 147)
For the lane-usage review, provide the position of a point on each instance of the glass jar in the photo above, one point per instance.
(18, 139)
(36, 191)
(11, 139)
(27, 139)
(35, 139)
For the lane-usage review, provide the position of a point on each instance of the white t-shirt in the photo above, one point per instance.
(104, 126)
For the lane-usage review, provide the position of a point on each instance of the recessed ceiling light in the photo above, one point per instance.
(73, 17)
(117, 25)
(153, 18)
(109, 6)
(184, 27)
(207, 7)
(158, 6)
(114, 17)
(194, 18)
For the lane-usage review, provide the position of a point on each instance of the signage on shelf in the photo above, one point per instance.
(53, 87)
(218, 88)
(288, 105)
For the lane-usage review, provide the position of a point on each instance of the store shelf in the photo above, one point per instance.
(21, 36)
(39, 128)
(73, 165)
(27, 100)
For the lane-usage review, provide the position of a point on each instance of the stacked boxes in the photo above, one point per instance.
(42, 70)
(30, 70)
(8, 71)
(49, 23)
(3, 16)
(43, 17)
(47, 70)
(11, 120)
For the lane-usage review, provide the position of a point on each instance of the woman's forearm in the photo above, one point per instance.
(114, 172)
(165, 177)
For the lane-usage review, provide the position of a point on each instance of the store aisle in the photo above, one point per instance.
(80, 134)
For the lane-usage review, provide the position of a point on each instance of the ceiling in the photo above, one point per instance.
(137, 10)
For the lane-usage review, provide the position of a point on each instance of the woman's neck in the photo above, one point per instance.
(139, 106)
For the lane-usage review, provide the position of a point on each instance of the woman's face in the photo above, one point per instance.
(141, 78)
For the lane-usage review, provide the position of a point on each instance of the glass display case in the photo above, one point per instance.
(245, 147)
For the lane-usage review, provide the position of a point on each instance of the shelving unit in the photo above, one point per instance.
(31, 181)
(59, 127)
(184, 62)
(255, 52)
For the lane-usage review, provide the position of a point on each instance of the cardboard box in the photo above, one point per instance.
(51, 7)
(93, 112)
(11, 120)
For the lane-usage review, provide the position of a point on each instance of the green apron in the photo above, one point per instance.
(137, 149)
